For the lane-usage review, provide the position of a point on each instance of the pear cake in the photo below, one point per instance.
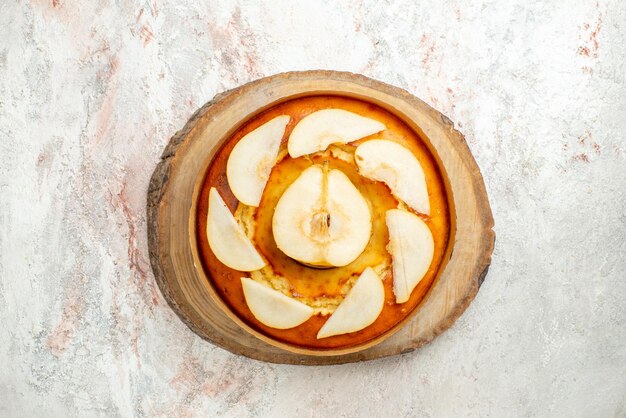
(322, 222)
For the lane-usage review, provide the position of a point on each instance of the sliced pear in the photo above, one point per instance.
(227, 239)
(273, 308)
(359, 309)
(412, 247)
(251, 160)
(315, 132)
(322, 219)
(397, 167)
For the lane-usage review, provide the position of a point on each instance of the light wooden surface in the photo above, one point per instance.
(176, 180)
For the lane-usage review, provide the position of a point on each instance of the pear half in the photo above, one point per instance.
(359, 309)
(251, 160)
(412, 247)
(397, 167)
(315, 132)
(322, 219)
(227, 239)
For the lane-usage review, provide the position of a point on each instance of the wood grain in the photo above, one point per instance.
(176, 181)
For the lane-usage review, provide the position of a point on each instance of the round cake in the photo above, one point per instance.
(322, 222)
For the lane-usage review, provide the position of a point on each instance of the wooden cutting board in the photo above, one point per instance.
(177, 178)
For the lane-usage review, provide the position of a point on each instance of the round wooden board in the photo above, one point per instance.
(175, 182)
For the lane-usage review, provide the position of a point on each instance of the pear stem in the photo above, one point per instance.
(324, 196)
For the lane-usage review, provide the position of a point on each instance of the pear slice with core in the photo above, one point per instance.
(227, 239)
(315, 132)
(322, 219)
(397, 167)
(359, 309)
(273, 308)
(251, 160)
(412, 247)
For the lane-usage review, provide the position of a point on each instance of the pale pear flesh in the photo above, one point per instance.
(359, 309)
(272, 307)
(412, 248)
(396, 166)
(315, 132)
(322, 219)
(227, 239)
(251, 160)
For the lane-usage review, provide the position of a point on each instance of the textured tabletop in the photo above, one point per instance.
(91, 91)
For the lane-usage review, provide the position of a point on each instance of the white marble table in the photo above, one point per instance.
(91, 91)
